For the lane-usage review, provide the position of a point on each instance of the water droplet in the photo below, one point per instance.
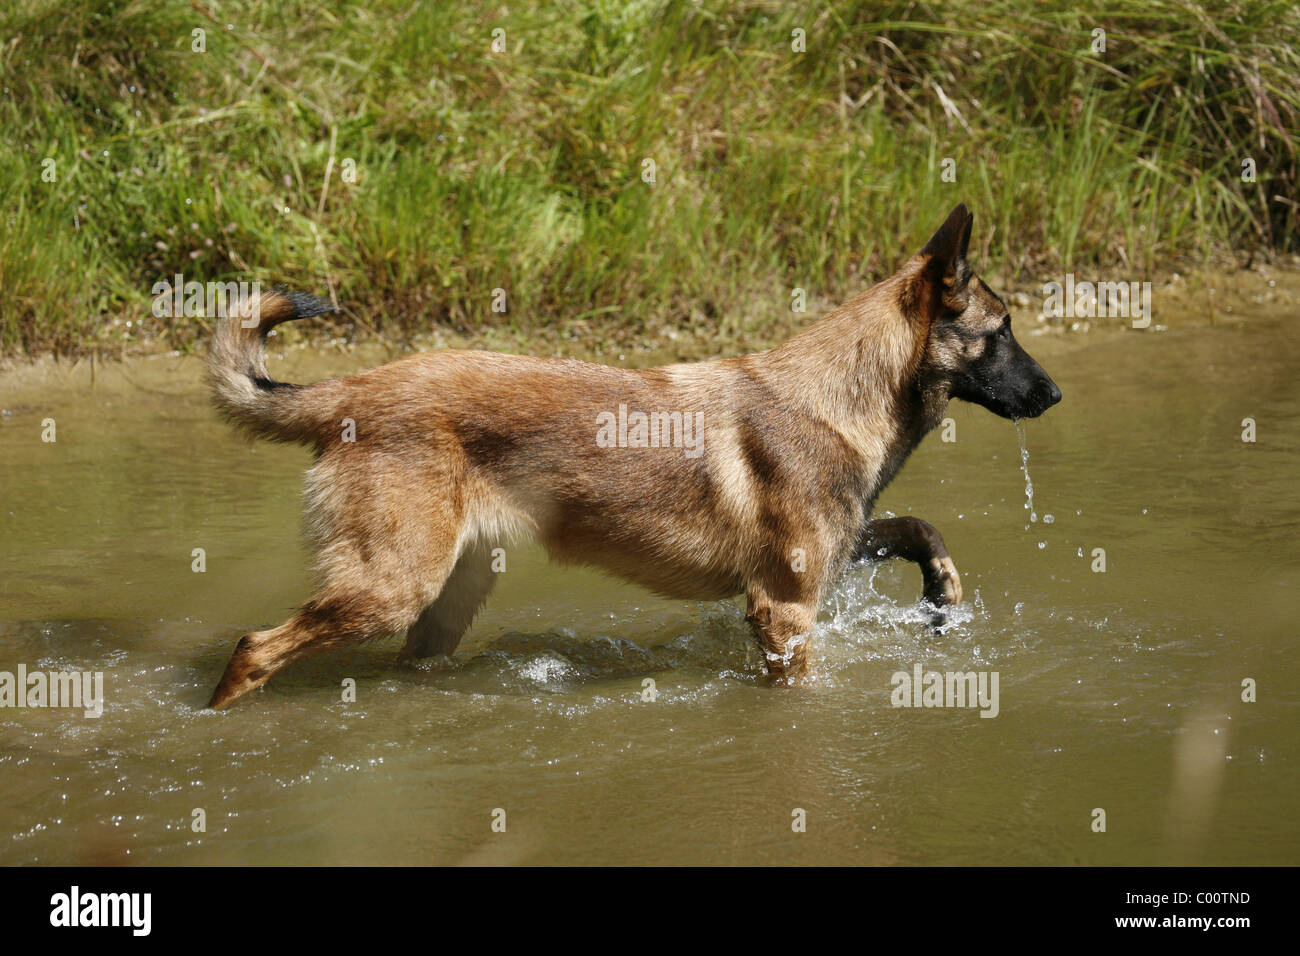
(1024, 467)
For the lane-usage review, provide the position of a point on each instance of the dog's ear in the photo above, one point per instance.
(945, 272)
(949, 244)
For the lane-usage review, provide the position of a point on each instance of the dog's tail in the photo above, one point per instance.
(242, 388)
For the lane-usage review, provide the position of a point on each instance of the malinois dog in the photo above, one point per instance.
(753, 475)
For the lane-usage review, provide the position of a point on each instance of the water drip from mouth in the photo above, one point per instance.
(1024, 467)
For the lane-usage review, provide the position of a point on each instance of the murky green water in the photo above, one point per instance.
(1118, 690)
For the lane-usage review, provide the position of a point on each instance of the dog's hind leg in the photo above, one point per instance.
(917, 541)
(328, 621)
(444, 622)
(377, 575)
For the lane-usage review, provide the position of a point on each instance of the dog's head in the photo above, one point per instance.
(970, 350)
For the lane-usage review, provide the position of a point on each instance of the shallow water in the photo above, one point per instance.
(1119, 690)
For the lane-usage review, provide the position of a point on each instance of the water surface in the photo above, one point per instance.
(1119, 690)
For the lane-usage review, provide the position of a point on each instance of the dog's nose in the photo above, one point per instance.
(1044, 395)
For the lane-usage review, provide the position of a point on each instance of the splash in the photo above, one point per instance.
(859, 612)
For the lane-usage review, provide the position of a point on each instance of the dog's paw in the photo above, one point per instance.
(942, 583)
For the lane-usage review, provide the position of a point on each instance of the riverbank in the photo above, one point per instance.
(615, 175)
(1177, 301)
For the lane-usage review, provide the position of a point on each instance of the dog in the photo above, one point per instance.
(753, 475)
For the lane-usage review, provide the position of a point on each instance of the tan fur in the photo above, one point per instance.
(459, 452)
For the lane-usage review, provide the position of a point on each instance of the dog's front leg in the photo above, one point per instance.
(914, 540)
(783, 630)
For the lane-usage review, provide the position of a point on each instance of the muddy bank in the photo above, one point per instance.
(758, 321)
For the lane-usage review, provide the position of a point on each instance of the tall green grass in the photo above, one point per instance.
(522, 170)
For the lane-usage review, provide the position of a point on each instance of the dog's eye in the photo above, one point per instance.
(1004, 333)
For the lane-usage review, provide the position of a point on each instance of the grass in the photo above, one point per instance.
(522, 170)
